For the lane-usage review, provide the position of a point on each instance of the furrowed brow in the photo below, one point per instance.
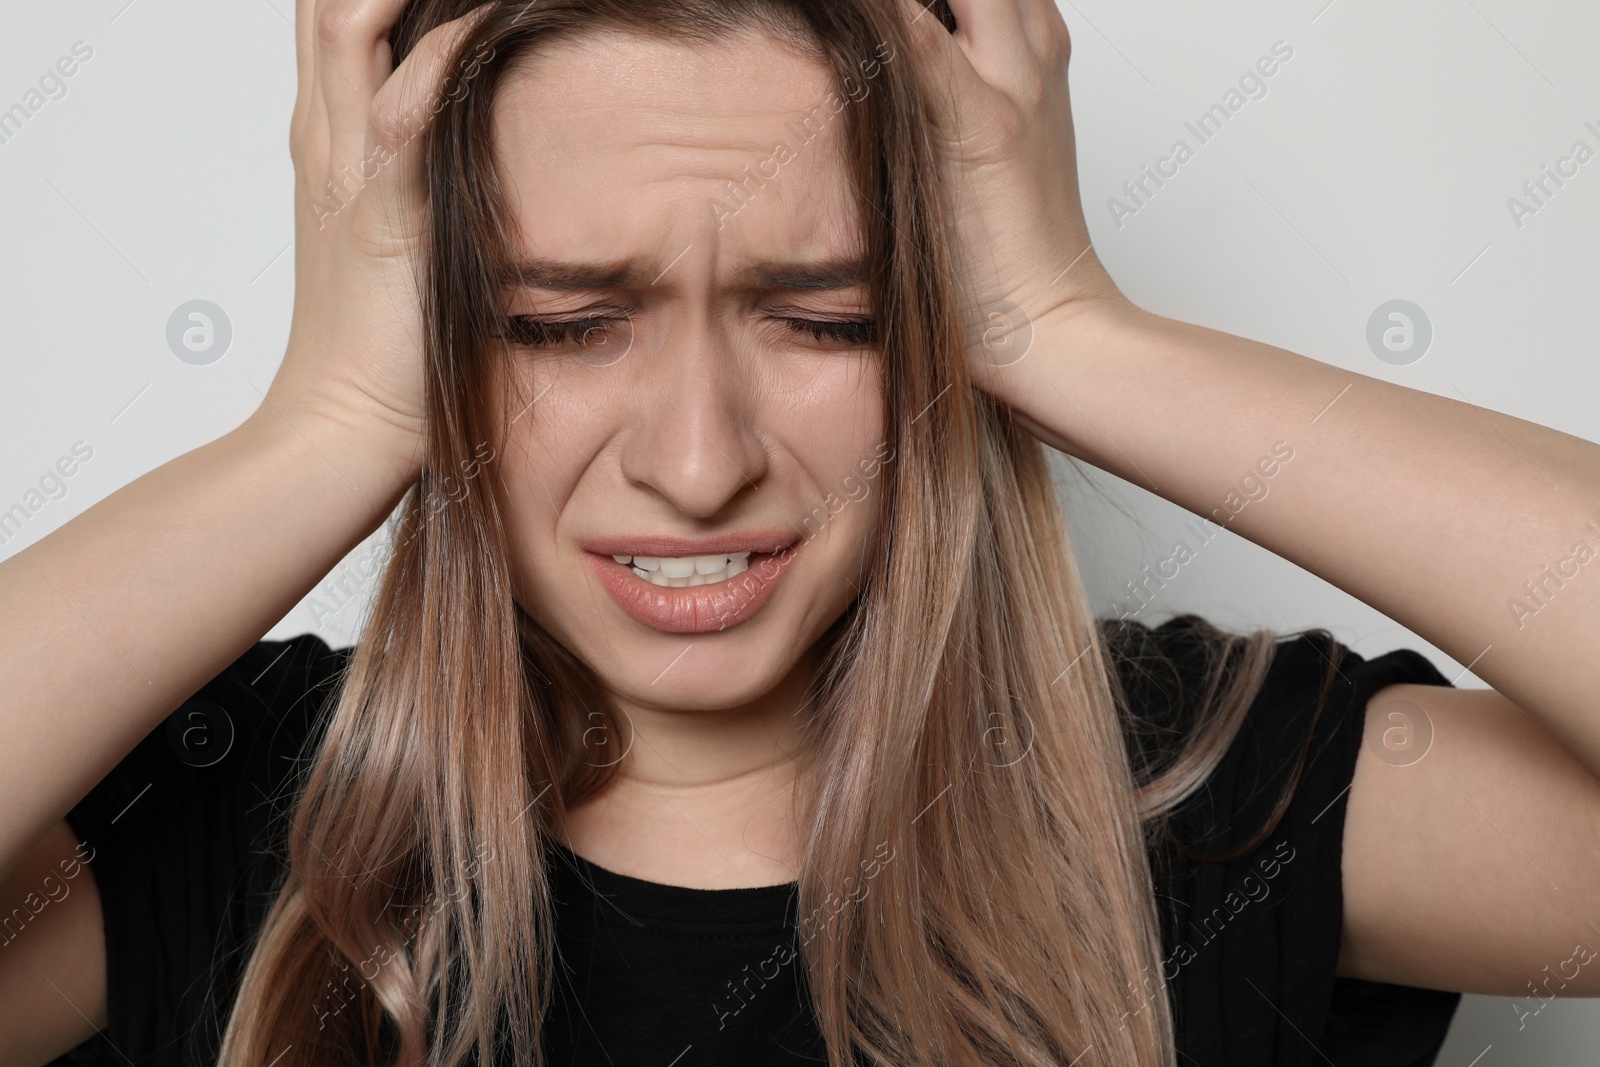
(803, 277)
(557, 276)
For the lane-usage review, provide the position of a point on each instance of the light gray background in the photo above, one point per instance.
(1377, 166)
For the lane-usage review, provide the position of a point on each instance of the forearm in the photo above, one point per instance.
(1432, 511)
(112, 621)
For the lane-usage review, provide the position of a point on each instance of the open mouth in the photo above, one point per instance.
(678, 572)
(691, 594)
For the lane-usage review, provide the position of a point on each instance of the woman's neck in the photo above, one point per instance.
(703, 799)
(728, 834)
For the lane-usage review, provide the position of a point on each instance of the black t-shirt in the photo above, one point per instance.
(187, 838)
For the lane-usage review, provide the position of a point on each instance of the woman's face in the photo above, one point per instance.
(714, 406)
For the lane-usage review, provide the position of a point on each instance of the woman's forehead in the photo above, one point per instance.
(614, 66)
(614, 148)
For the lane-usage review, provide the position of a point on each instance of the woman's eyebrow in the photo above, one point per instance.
(560, 276)
(796, 277)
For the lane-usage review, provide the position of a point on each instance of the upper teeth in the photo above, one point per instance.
(678, 571)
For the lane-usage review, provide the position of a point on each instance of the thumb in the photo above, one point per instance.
(944, 71)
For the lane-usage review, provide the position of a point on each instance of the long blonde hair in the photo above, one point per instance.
(965, 732)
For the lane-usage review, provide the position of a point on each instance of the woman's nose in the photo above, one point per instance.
(695, 441)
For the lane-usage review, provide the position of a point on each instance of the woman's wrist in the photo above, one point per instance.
(1056, 354)
(367, 460)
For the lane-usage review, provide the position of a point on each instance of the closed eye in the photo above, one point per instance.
(853, 333)
(598, 331)
(589, 331)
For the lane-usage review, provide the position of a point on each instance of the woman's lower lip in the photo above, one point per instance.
(693, 609)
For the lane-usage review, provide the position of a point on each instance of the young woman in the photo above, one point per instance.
(730, 695)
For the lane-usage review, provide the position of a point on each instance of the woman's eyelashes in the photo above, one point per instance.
(845, 332)
(596, 330)
(589, 331)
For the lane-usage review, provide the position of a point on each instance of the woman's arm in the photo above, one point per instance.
(1430, 509)
(1476, 865)
(1435, 512)
(1471, 850)
(109, 623)
(115, 619)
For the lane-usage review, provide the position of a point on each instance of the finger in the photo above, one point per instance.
(304, 60)
(409, 101)
(990, 25)
(1014, 43)
(1046, 28)
(350, 69)
(308, 96)
(939, 54)
(1018, 46)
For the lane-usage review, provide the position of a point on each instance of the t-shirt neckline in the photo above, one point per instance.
(770, 906)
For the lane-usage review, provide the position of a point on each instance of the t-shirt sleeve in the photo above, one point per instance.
(184, 839)
(1252, 923)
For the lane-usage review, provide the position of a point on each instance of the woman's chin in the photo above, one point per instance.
(717, 682)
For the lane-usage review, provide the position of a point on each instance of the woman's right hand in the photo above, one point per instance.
(354, 359)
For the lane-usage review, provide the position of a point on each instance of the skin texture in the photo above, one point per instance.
(1472, 868)
(719, 416)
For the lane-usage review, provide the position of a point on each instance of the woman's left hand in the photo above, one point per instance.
(1003, 121)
